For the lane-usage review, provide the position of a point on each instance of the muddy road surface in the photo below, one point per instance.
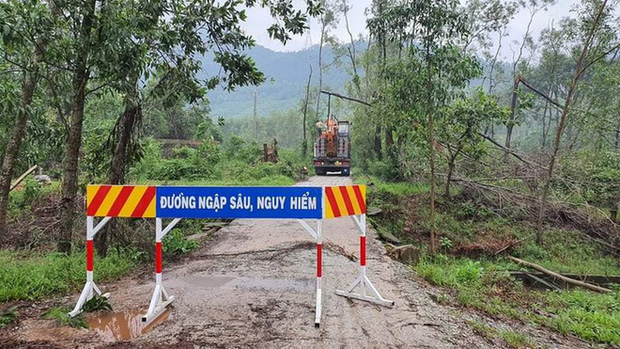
(253, 286)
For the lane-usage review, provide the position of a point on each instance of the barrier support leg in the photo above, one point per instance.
(90, 287)
(368, 292)
(319, 271)
(160, 298)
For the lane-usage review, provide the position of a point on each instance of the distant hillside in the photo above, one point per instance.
(286, 76)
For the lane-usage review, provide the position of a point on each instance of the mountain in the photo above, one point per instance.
(286, 76)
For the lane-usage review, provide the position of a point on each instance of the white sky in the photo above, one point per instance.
(259, 20)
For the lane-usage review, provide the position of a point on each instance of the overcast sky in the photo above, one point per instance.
(259, 20)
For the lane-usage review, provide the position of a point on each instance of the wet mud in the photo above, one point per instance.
(122, 326)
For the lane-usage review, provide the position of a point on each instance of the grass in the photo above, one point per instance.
(484, 286)
(27, 276)
(567, 252)
(8, 316)
(60, 314)
(512, 338)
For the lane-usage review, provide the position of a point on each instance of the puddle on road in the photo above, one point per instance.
(230, 282)
(209, 281)
(125, 325)
(276, 284)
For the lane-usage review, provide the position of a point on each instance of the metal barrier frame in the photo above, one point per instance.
(161, 298)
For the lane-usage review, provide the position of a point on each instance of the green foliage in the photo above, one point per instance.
(286, 126)
(176, 243)
(591, 316)
(445, 243)
(595, 177)
(567, 252)
(8, 316)
(97, 303)
(33, 276)
(512, 338)
(236, 162)
(60, 314)
(448, 272)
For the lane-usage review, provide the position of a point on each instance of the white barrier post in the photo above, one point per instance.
(90, 287)
(319, 270)
(161, 298)
(362, 280)
(318, 236)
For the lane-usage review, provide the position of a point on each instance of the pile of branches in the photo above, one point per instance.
(509, 203)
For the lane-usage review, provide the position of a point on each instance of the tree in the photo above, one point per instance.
(25, 29)
(591, 21)
(534, 6)
(423, 81)
(328, 20)
(174, 31)
(461, 128)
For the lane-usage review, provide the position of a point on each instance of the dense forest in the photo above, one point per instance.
(481, 163)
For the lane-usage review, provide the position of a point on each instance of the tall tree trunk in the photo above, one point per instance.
(511, 120)
(545, 129)
(29, 84)
(304, 146)
(431, 142)
(9, 158)
(515, 87)
(449, 177)
(318, 97)
(378, 150)
(352, 53)
(562, 122)
(74, 139)
(123, 136)
(389, 138)
(617, 142)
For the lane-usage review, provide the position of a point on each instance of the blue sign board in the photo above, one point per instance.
(240, 202)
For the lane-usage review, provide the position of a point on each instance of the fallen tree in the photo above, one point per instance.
(508, 202)
(559, 276)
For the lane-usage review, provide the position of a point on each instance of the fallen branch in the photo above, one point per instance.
(510, 245)
(509, 151)
(21, 178)
(523, 207)
(346, 97)
(559, 276)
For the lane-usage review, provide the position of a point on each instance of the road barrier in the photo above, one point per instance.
(179, 202)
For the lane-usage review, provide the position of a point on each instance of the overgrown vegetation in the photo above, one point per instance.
(467, 267)
(486, 285)
(62, 318)
(31, 276)
(237, 162)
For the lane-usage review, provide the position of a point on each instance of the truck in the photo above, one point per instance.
(332, 149)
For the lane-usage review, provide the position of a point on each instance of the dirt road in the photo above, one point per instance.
(254, 286)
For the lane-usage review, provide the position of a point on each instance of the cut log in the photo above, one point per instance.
(21, 178)
(558, 276)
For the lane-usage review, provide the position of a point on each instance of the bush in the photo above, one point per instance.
(175, 243)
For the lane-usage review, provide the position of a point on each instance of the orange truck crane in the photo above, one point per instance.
(332, 150)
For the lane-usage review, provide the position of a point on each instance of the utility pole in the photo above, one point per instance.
(255, 124)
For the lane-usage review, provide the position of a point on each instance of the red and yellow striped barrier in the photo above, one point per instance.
(136, 201)
(345, 201)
